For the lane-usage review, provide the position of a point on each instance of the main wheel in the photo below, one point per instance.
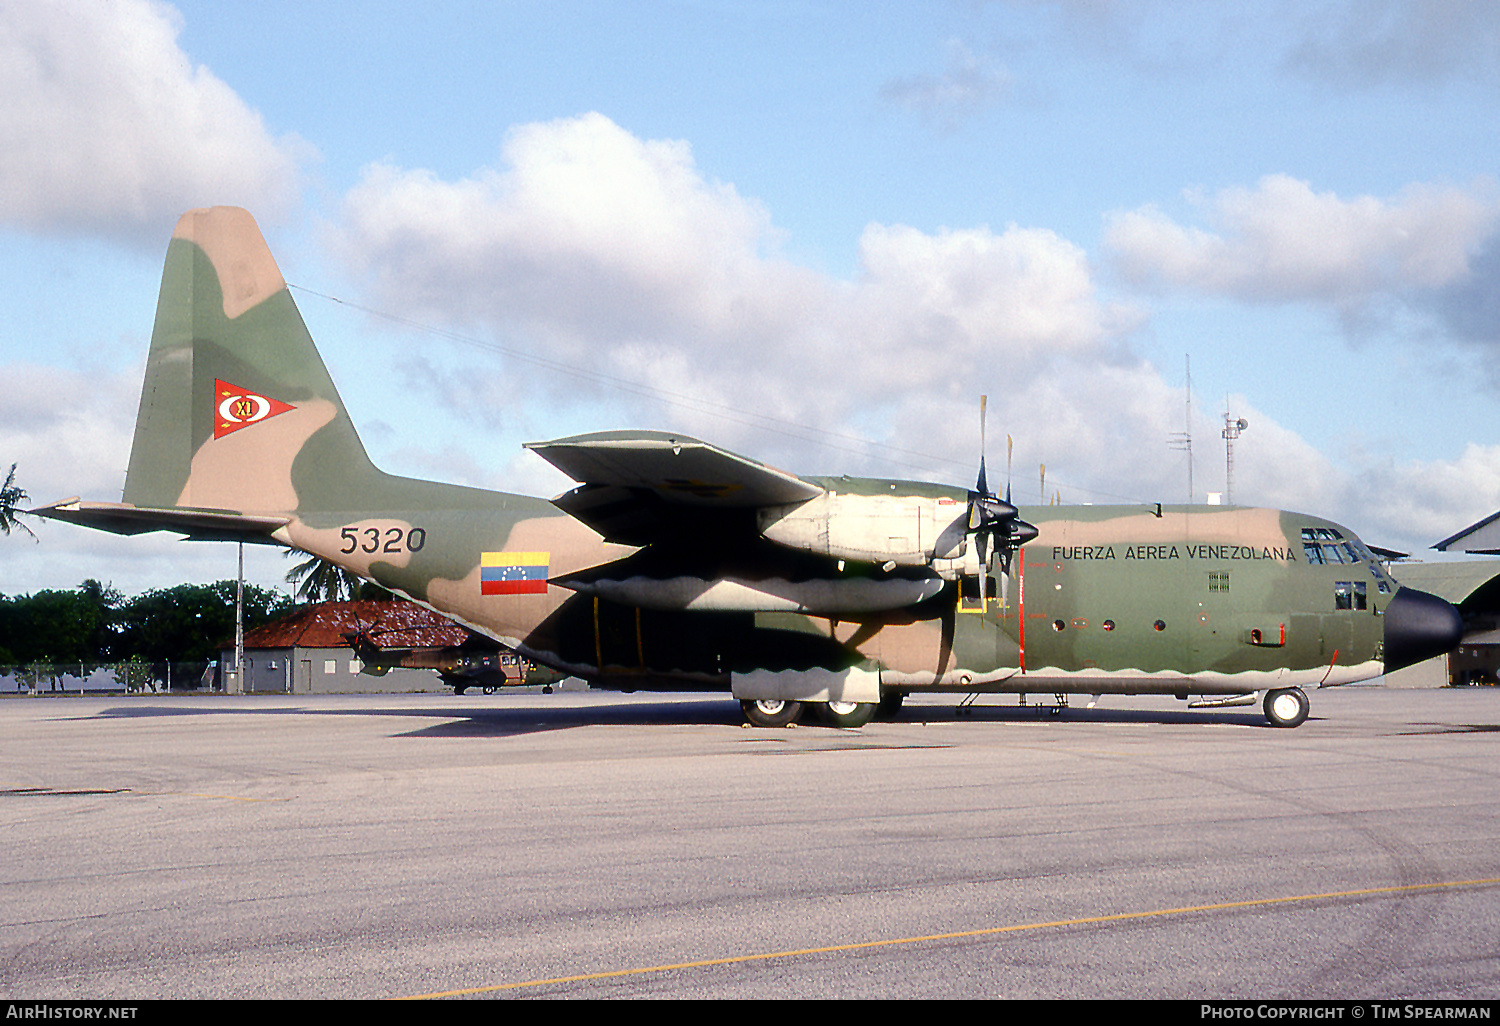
(1286, 707)
(848, 714)
(890, 705)
(770, 712)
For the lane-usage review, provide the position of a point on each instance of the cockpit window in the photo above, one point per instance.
(1349, 595)
(1324, 546)
(1327, 553)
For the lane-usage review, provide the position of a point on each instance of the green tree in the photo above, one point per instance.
(191, 621)
(63, 626)
(93, 623)
(99, 605)
(12, 496)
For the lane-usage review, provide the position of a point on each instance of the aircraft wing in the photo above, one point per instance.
(637, 485)
(677, 468)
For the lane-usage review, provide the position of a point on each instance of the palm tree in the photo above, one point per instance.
(11, 497)
(318, 580)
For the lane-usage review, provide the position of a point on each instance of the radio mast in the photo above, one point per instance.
(1232, 428)
(1182, 441)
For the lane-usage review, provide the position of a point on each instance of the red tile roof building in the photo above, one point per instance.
(307, 651)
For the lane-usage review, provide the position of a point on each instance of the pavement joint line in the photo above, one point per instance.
(990, 931)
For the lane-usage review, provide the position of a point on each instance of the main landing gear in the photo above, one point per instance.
(771, 712)
(1286, 707)
(848, 714)
(775, 712)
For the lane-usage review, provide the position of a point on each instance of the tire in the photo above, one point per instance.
(848, 714)
(459, 689)
(770, 712)
(1286, 707)
(890, 705)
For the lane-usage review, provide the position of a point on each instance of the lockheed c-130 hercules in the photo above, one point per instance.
(676, 565)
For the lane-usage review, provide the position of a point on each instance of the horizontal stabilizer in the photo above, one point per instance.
(197, 524)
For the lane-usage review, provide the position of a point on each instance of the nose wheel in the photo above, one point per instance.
(1286, 707)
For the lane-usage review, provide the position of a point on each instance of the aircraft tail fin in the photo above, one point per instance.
(238, 412)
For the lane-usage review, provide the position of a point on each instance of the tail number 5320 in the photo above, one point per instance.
(392, 540)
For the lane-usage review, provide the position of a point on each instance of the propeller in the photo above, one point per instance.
(992, 519)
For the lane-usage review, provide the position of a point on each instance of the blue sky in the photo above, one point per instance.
(811, 232)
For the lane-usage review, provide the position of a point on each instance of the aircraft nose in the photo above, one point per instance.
(1419, 626)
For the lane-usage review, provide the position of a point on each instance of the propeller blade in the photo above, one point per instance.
(982, 486)
(993, 521)
(1010, 451)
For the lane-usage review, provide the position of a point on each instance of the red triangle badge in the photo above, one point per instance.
(236, 407)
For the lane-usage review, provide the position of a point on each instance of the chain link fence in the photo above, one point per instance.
(136, 676)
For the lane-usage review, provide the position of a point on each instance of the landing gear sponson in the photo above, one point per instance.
(1284, 707)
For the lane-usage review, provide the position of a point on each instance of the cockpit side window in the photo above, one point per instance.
(1350, 595)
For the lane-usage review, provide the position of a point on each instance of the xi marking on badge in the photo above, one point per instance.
(236, 407)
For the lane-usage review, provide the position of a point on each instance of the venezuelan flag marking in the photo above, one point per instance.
(513, 573)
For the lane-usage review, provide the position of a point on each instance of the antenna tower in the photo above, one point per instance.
(1232, 427)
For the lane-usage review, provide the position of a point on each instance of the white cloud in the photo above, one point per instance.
(108, 127)
(584, 223)
(616, 254)
(973, 295)
(68, 432)
(1419, 502)
(1282, 242)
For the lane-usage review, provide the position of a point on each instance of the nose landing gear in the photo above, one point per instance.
(1286, 707)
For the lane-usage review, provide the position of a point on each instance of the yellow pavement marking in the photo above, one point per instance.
(960, 935)
(224, 797)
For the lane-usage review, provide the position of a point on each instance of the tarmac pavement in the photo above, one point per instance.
(603, 845)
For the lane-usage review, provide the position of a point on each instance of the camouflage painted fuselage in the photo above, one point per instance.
(1106, 600)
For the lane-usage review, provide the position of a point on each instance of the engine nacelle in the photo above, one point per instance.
(908, 530)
